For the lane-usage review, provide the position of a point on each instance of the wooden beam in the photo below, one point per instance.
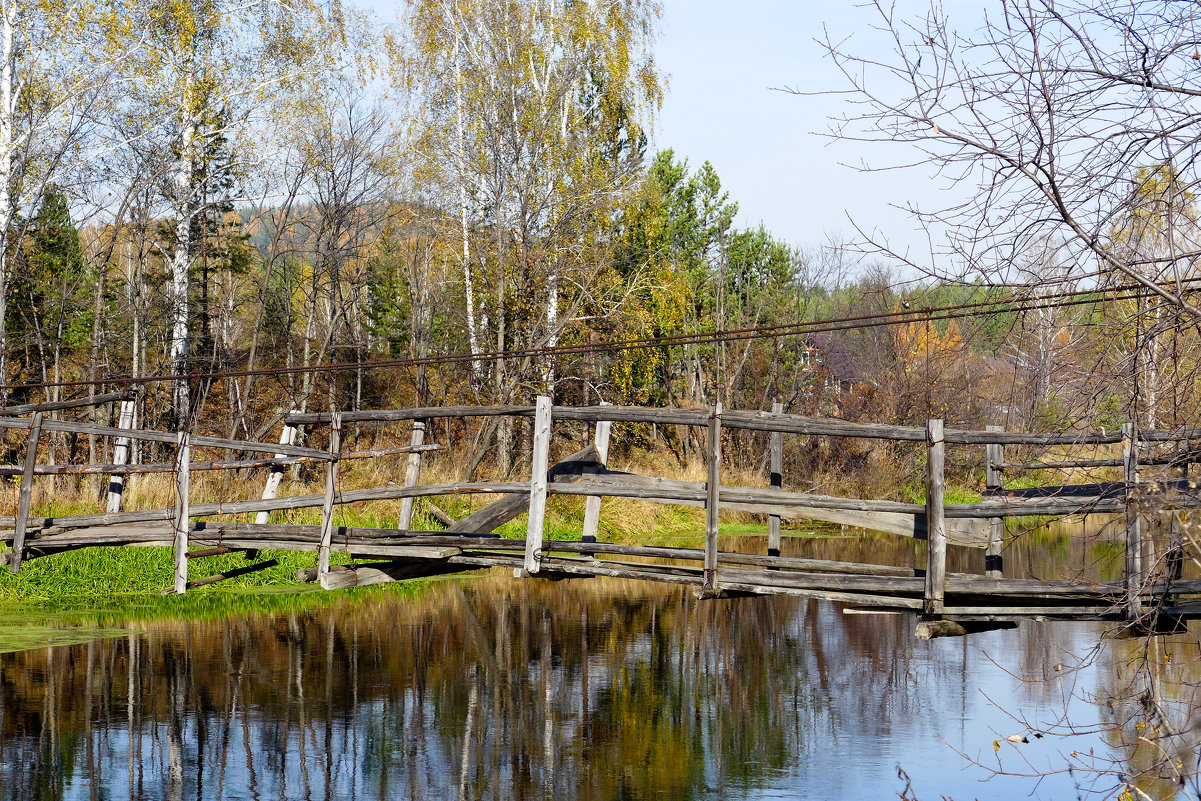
(994, 481)
(777, 483)
(54, 406)
(160, 436)
(31, 459)
(753, 421)
(412, 470)
(182, 515)
(327, 507)
(936, 536)
(279, 460)
(712, 504)
(1134, 539)
(538, 481)
(592, 504)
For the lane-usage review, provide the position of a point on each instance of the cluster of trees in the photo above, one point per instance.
(264, 189)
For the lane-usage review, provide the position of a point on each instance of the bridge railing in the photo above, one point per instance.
(978, 525)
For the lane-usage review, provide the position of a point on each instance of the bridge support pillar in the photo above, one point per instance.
(540, 462)
(936, 526)
(994, 480)
(712, 492)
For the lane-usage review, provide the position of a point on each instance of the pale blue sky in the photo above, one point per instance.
(723, 59)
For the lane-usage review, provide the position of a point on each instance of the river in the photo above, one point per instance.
(498, 688)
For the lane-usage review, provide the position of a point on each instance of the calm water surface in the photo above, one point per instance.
(495, 688)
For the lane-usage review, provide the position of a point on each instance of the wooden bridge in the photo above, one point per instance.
(1151, 593)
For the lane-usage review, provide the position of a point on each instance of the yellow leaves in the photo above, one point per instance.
(919, 341)
(996, 745)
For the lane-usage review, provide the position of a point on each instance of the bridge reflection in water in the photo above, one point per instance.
(497, 689)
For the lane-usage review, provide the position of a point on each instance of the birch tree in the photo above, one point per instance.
(56, 61)
(534, 112)
(219, 70)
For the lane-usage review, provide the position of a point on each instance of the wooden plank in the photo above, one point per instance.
(23, 501)
(412, 470)
(160, 436)
(994, 481)
(712, 503)
(411, 551)
(936, 538)
(415, 413)
(538, 481)
(54, 406)
(909, 523)
(1183, 457)
(592, 504)
(756, 421)
(1134, 540)
(182, 513)
(286, 437)
(1100, 489)
(116, 481)
(327, 506)
(279, 460)
(665, 490)
(777, 483)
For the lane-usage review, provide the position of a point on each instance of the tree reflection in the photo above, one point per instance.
(485, 689)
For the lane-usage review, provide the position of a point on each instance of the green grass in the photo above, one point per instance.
(99, 574)
(66, 620)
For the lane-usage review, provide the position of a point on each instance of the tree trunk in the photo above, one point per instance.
(8, 25)
(180, 262)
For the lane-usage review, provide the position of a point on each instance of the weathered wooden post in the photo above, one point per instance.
(994, 480)
(183, 461)
(286, 437)
(116, 482)
(936, 529)
(1174, 563)
(712, 494)
(1134, 529)
(592, 505)
(538, 467)
(412, 470)
(327, 505)
(777, 483)
(22, 521)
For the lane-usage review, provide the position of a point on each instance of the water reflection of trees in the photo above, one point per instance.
(483, 689)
